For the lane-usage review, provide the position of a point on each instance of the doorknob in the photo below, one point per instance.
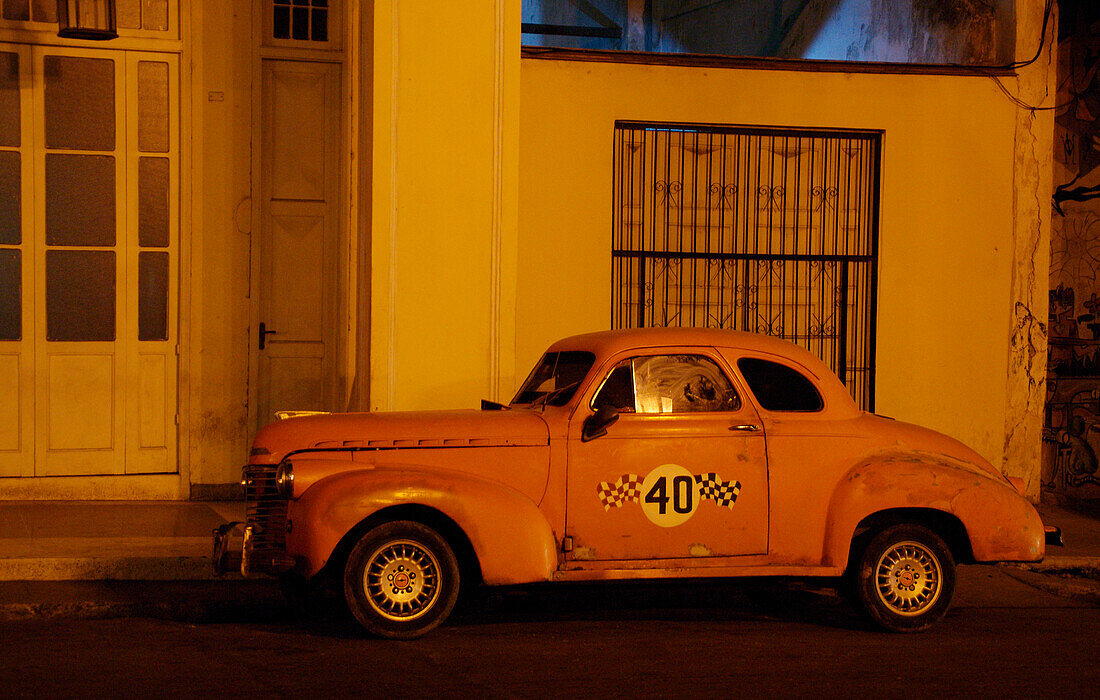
(750, 428)
(263, 335)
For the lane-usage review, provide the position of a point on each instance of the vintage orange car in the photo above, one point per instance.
(655, 453)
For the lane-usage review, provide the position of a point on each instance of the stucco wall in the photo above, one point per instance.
(214, 365)
(946, 232)
(443, 202)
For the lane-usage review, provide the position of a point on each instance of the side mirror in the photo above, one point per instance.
(596, 425)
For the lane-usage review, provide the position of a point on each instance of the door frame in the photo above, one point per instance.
(344, 307)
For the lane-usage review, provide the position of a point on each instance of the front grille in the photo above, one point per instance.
(265, 510)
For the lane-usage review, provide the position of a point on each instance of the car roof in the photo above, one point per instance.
(606, 343)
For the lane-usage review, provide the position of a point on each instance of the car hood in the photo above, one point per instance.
(396, 430)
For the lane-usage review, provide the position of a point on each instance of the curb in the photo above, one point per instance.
(134, 568)
(1072, 578)
(191, 601)
(1064, 565)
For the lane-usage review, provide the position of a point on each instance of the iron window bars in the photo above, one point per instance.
(769, 230)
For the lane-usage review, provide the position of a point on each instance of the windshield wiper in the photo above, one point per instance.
(545, 398)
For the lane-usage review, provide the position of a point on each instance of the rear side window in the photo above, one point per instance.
(778, 387)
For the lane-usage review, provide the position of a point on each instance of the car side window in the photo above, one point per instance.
(659, 384)
(618, 389)
(778, 387)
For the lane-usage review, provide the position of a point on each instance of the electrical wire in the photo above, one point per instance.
(987, 71)
(1042, 40)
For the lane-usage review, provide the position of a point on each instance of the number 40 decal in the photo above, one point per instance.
(683, 494)
(670, 495)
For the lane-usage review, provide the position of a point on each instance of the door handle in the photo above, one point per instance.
(263, 335)
(748, 428)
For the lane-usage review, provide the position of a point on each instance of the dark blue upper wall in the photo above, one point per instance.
(969, 32)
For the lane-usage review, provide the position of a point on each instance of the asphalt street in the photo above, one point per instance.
(1004, 637)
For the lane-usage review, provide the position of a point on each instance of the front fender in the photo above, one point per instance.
(512, 539)
(1001, 524)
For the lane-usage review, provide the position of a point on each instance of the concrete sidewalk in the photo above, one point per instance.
(100, 540)
(117, 558)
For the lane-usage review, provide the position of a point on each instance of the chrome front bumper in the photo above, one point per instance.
(223, 559)
(248, 560)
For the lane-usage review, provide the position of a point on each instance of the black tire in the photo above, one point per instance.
(904, 578)
(408, 553)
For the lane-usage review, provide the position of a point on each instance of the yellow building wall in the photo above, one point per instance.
(445, 90)
(946, 226)
(215, 303)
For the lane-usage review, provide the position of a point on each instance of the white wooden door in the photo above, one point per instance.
(299, 229)
(98, 153)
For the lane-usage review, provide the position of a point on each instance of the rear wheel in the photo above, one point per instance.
(401, 580)
(904, 578)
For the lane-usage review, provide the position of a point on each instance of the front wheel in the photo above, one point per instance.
(401, 580)
(904, 578)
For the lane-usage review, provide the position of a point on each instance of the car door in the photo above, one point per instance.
(683, 471)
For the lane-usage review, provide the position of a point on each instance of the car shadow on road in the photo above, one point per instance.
(686, 601)
(661, 601)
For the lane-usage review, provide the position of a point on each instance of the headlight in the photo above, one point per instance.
(284, 479)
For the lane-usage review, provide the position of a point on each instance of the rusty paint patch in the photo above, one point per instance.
(700, 550)
(584, 553)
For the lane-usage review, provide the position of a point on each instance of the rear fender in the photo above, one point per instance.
(511, 538)
(999, 523)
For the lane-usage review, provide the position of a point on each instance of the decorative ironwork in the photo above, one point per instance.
(767, 230)
(823, 196)
(771, 197)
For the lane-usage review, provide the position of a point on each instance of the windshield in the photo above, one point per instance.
(556, 377)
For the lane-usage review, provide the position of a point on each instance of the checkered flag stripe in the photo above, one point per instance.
(627, 487)
(724, 493)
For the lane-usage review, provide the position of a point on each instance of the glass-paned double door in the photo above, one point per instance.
(89, 183)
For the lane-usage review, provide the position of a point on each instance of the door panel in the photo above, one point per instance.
(10, 422)
(16, 263)
(80, 238)
(299, 229)
(297, 261)
(76, 423)
(151, 259)
(668, 485)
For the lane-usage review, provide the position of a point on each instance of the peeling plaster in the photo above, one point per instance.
(1025, 396)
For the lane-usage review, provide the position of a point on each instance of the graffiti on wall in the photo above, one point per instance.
(1071, 433)
(1077, 127)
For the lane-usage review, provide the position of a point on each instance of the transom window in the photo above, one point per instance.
(667, 384)
(300, 20)
(766, 230)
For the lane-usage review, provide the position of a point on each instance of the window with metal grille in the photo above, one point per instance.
(765, 230)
